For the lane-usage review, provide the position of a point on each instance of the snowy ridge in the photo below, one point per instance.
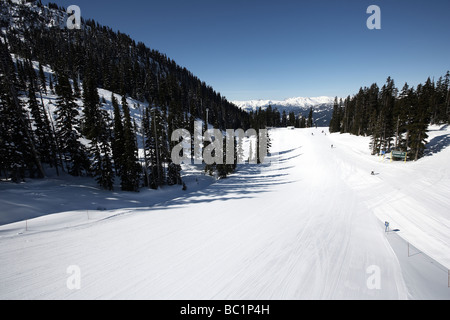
(300, 106)
(299, 102)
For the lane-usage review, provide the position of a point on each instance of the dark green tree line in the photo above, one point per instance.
(394, 120)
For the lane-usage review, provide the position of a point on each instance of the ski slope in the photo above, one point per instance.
(308, 226)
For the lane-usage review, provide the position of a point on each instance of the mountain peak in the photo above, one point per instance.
(296, 102)
(322, 106)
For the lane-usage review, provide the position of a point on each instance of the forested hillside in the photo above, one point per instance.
(80, 137)
(396, 119)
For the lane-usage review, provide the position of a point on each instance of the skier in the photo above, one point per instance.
(386, 224)
(373, 173)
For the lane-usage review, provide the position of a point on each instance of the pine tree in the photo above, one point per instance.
(117, 137)
(174, 174)
(158, 143)
(310, 121)
(18, 144)
(102, 168)
(388, 96)
(12, 146)
(402, 115)
(420, 119)
(68, 129)
(335, 124)
(442, 111)
(91, 102)
(130, 173)
(360, 109)
(377, 135)
(43, 133)
(48, 127)
(373, 107)
(447, 99)
(50, 84)
(145, 130)
(302, 122)
(99, 134)
(291, 119)
(283, 120)
(42, 79)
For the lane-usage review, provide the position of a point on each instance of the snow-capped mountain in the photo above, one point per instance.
(299, 102)
(322, 107)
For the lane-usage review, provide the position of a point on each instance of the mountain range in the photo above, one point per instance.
(322, 107)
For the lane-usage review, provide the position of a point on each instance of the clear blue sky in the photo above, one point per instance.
(257, 49)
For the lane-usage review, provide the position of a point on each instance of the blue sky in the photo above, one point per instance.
(251, 49)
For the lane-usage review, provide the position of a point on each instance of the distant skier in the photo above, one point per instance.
(373, 173)
(386, 224)
(332, 146)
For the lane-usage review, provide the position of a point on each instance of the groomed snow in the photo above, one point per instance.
(310, 226)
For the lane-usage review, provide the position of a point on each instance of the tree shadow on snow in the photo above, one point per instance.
(80, 194)
(246, 183)
(437, 144)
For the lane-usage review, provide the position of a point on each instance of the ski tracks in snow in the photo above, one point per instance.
(293, 230)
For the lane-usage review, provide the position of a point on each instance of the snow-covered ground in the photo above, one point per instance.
(309, 226)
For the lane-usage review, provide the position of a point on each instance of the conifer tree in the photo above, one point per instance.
(130, 171)
(42, 132)
(160, 147)
(442, 110)
(97, 130)
(222, 168)
(91, 102)
(420, 119)
(388, 96)
(335, 124)
(42, 79)
(174, 174)
(20, 151)
(376, 143)
(402, 115)
(291, 119)
(12, 139)
(283, 120)
(149, 148)
(302, 122)
(68, 129)
(51, 86)
(117, 136)
(310, 121)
